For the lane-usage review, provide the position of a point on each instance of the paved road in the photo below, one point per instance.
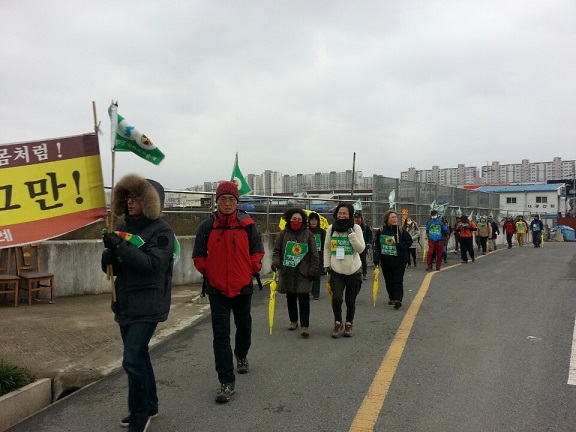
(478, 347)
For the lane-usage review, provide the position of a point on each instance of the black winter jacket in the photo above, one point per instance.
(403, 243)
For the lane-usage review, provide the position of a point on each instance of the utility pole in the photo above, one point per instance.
(353, 175)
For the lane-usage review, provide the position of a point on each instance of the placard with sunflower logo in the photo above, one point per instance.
(294, 253)
(388, 245)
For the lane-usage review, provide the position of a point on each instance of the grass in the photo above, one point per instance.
(12, 378)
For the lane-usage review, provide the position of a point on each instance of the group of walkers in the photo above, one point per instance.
(228, 252)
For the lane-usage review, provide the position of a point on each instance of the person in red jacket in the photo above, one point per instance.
(509, 229)
(228, 251)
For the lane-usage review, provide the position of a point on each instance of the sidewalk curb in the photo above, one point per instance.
(26, 401)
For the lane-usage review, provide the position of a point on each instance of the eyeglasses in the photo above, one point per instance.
(132, 198)
(229, 200)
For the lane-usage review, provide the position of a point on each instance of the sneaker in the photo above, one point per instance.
(139, 424)
(225, 393)
(242, 366)
(348, 329)
(336, 333)
(293, 326)
(125, 422)
(397, 304)
(305, 332)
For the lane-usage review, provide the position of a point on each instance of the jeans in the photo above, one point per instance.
(142, 396)
(394, 279)
(221, 307)
(299, 300)
(349, 283)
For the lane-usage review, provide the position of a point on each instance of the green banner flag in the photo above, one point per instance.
(126, 137)
(392, 199)
(238, 179)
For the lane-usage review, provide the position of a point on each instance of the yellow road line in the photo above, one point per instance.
(368, 412)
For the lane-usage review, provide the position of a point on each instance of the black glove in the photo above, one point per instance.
(111, 241)
(107, 257)
(274, 267)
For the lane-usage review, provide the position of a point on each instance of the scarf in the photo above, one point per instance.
(342, 225)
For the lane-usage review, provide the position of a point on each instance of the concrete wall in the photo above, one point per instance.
(76, 265)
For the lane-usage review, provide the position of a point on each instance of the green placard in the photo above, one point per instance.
(294, 253)
(388, 245)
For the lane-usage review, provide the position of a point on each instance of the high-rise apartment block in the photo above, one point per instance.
(494, 173)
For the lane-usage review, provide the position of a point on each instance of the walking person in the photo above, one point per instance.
(521, 228)
(494, 236)
(227, 252)
(536, 228)
(466, 231)
(434, 235)
(368, 238)
(342, 248)
(295, 257)
(456, 235)
(412, 228)
(446, 238)
(391, 252)
(320, 237)
(509, 229)
(484, 232)
(143, 286)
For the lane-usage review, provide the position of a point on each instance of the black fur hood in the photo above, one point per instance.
(151, 195)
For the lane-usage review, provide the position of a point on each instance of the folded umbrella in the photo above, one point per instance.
(272, 302)
(375, 285)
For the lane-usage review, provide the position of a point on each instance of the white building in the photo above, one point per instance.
(545, 200)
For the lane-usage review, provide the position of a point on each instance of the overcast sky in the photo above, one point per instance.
(295, 86)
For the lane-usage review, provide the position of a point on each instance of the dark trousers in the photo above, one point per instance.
(394, 279)
(316, 287)
(299, 300)
(509, 239)
(466, 245)
(221, 307)
(142, 396)
(537, 238)
(434, 247)
(412, 253)
(484, 243)
(456, 242)
(345, 288)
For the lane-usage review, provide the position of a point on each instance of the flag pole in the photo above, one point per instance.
(110, 219)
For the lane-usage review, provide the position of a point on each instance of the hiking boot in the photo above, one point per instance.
(139, 424)
(225, 393)
(397, 304)
(337, 332)
(293, 326)
(125, 422)
(242, 366)
(348, 330)
(304, 332)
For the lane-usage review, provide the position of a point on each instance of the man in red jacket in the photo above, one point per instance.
(236, 252)
(509, 229)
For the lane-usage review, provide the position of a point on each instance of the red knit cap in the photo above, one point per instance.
(227, 188)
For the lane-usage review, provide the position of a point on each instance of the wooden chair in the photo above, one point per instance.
(28, 269)
(7, 279)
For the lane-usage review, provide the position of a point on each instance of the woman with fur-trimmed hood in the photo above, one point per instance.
(143, 271)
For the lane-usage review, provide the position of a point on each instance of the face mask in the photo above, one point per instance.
(295, 225)
(434, 217)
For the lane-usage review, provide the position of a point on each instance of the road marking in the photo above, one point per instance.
(572, 369)
(368, 412)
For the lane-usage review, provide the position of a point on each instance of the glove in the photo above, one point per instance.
(274, 267)
(107, 257)
(350, 230)
(111, 241)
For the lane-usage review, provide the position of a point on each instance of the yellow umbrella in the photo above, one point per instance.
(328, 287)
(425, 250)
(272, 302)
(323, 221)
(542, 239)
(375, 285)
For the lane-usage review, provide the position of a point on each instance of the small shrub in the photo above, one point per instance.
(12, 378)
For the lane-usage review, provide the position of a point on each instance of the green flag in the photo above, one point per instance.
(357, 205)
(126, 137)
(392, 199)
(238, 179)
